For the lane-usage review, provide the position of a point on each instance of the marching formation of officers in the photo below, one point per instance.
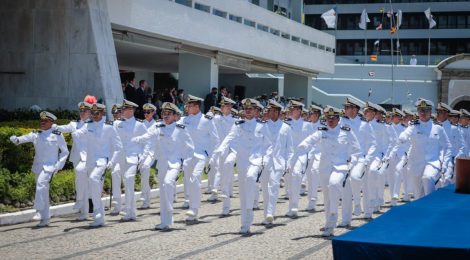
(352, 154)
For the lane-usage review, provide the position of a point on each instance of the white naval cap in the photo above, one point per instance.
(47, 115)
(330, 111)
(464, 113)
(84, 105)
(249, 102)
(170, 107)
(149, 106)
(116, 108)
(372, 106)
(192, 98)
(295, 104)
(227, 101)
(408, 112)
(98, 107)
(352, 102)
(126, 103)
(424, 103)
(454, 112)
(215, 110)
(443, 106)
(315, 109)
(397, 112)
(274, 104)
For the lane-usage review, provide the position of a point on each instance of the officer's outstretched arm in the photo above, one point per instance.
(28, 138)
(68, 128)
(228, 141)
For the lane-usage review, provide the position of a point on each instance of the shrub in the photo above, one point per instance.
(14, 157)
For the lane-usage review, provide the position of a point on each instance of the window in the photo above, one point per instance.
(285, 35)
(201, 7)
(185, 2)
(295, 39)
(235, 18)
(274, 31)
(249, 23)
(263, 27)
(219, 13)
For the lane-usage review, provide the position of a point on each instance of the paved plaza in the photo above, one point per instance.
(214, 237)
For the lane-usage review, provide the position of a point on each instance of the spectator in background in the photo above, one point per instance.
(170, 96)
(413, 60)
(140, 98)
(238, 103)
(222, 93)
(210, 100)
(180, 99)
(129, 92)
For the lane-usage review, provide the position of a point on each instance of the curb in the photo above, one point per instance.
(67, 209)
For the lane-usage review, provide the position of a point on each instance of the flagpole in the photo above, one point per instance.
(365, 46)
(391, 49)
(429, 45)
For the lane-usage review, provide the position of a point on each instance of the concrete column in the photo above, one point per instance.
(298, 86)
(197, 74)
(56, 52)
(297, 6)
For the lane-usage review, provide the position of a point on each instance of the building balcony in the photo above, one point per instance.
(237, 32)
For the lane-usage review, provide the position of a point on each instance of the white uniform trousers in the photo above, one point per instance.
(116, 181)
(95, 182)
(270, 185)
(81, 187)
(400, 177)
(193, 169)
(247, 174)
(373, 186)
(294, 179)
(129, 171)
(313, 181)
(430, 179)
(339, 186)
(358, 176)
(214, 175)
(392, 176)
(449, 176)
(145, 181)
(41, 198)
(226, 178)
(167, 184)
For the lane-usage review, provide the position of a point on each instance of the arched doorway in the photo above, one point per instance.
(462, 104)
(454, 79)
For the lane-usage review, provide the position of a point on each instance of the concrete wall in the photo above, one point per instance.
(61, 50)
(253, 86)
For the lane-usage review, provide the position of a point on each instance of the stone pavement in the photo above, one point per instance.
(213, 237)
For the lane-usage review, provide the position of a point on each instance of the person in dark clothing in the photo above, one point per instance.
(140, 98)
(170, 96)
(210, 100)
(129, 91)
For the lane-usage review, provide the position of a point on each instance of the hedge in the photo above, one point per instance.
(17, 189)
(17, 182)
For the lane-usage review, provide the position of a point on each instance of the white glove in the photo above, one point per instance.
(109, 166)
(14, 139)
